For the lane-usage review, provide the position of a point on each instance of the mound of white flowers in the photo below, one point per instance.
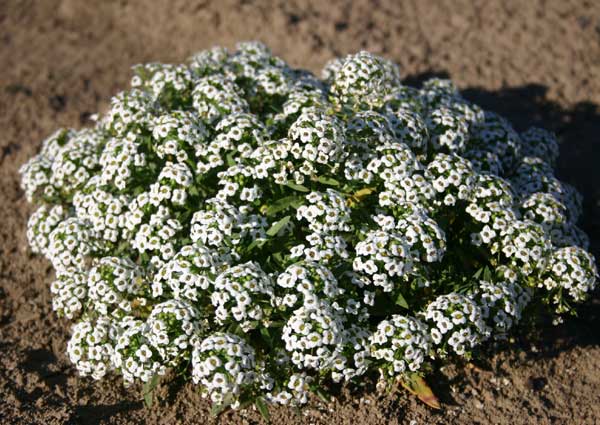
(265, 231)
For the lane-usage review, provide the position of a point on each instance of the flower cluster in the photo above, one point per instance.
(502, 304)
(91, 348)
(569, 276)
(243, 292)
(313, 336)
(456, 324)
(224, 364)
(401, 344)
(266, 231)
(113, 282)
(41, 223)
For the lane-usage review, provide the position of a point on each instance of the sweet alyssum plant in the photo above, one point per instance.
(264, 231)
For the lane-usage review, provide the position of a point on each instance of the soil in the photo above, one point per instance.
(536, 62)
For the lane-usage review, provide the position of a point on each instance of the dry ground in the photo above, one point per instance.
(537, 62)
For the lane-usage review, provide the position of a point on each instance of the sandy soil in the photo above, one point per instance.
(537, 62)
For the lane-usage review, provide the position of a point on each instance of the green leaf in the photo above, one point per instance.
(328, 181)
(122, 247)
(230, 160)
(266, 336)
(487, 274)
(282, 204)
(192, 164)
(278, 258)
(401, 301)
(275, 228)
(234, 328)
(297, 187)
(148, 390)
(256, 243)
(217, 409)
(322, 395)
(138, 190)
(262, 408)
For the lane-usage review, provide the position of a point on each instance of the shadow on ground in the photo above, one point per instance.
(100, 413)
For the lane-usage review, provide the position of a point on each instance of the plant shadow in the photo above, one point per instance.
(100, 413)
(44, 363)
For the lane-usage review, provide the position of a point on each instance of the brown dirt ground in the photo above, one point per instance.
(537, 62)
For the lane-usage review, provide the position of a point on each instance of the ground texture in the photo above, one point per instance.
(537, 62)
